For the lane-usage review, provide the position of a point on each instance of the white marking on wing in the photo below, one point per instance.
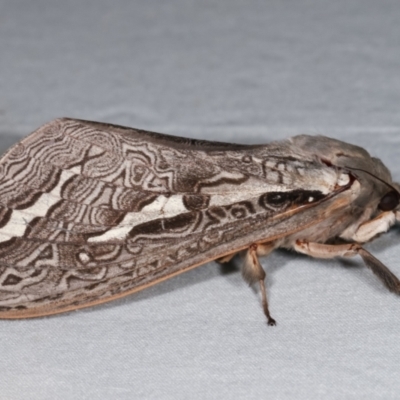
(84, 258)
(343, 179)
(224, 200)
(161, 207)
(118, 233)
(20, 219)
(4, 237)
(76, 170)
(219, 177)
(323, 181)
(245, 190)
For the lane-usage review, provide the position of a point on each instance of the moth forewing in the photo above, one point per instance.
(176, 258)
(90, 212)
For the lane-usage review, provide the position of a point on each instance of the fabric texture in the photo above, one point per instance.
(247, 72)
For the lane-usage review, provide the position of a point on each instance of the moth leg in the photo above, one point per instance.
(252, 272)
(370, 229)
(227, 258)
(319, 250)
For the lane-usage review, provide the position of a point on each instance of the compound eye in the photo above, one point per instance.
(389, 201)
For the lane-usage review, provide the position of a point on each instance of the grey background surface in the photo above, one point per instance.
(242, 71)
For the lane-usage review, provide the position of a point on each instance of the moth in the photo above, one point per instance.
(91, 212)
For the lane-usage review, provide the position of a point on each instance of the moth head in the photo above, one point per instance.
(385, 191)
(377, 191)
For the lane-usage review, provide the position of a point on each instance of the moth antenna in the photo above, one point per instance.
(377, 178)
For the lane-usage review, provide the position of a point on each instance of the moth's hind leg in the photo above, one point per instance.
(253, 272)
(320, 250)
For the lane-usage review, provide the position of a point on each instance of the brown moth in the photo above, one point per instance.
(90, 212)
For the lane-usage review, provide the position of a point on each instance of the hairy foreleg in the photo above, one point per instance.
(320, 250)
(368, 230)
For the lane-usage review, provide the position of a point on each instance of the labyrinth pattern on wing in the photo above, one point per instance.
(90, 211)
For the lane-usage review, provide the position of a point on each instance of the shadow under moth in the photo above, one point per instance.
(90, 212)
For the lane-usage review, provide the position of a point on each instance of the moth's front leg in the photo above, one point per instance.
(252, 272)
(368, 230)
(320, 250)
